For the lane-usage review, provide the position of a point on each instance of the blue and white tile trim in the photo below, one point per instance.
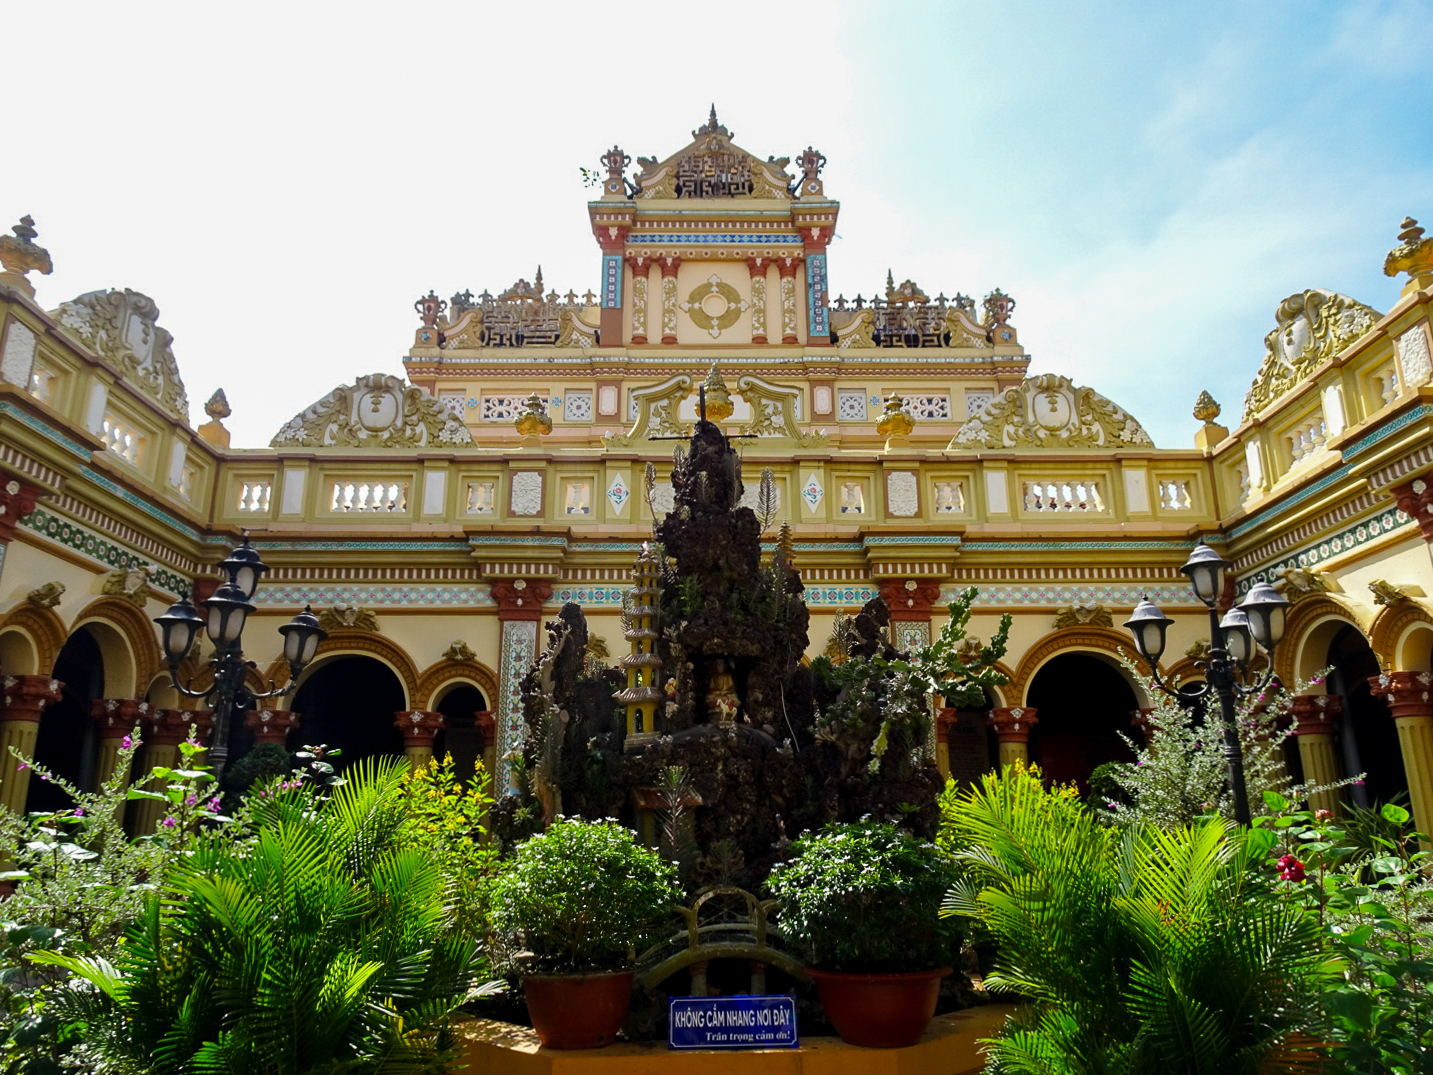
(519, 649)
(588, 596)
(716, 238)
(1120, 595)
(845, 596)
(277, 595)
(100, 549)
(1380, 525)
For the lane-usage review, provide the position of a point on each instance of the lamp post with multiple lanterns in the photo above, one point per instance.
(228, 609)
(1259, 618)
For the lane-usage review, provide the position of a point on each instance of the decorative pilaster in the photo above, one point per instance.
(419, 727)
(1315, 723)
(612, 239)
(787, 268)
(116, 718)
(818, 320)
(1012, 726)
(640, 267)
(1410, 698)
(164, 730)
(1415, 498)
(24, 700)
(519, 604)
(757, 267)
(17, 499)
(669, 297)
(271, 725)
(487, 723)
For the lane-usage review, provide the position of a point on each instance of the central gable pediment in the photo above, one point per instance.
(713, 166)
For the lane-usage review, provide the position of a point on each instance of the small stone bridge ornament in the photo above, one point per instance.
(723, 922)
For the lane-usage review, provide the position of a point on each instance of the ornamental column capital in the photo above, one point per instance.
(271, 725)
(486, 722)
(418, 726)
(17, 500)
(1012, 724)
(521, 599)
(25, 697)
(1314, 714)
(787, 266)
(1415, 499)
(170, 727)
(670, 264)
(910, 599)
(1408, 694)
(757, 266)
(117, 717)
(945, 719)
(639, 264)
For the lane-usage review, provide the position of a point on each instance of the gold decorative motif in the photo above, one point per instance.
(46, 596)
(20, 255)
(1084, 616)
(459, 651)
(718, 400)
(352, 617)
(657, 416)
(1413, 254)
(714, 305)
(534, 421)
(895, 420)
(712, 167)
(1296, 582)
(122, 327)
(1385, 593)
(639, 303)
(908, 292)
(376, 411)
(217, 407)
(1206, 409)
(131, 583)
(788, 308)
(1199, 651)
(1311, 327)
(857, 331)
(576, 332)
(758, 306)
(773, 413)
(1048, 411)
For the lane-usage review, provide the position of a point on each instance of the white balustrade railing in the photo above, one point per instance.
(370, 496)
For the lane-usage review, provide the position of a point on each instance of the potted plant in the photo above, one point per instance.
(575, 903)
(862, 901)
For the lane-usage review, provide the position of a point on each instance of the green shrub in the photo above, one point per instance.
(865, 897)
(582, 896)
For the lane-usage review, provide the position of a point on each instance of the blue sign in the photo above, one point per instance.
(731, 1023)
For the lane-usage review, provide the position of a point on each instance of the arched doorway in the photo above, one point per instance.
(1083, 704)
(1368, 737)
(349, 703)
(972, 746)
(461, 738)
(66, 741)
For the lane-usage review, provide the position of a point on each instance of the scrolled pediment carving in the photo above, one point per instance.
(376, 411)
(122, 326)
(1050, 411)
(1310, 328)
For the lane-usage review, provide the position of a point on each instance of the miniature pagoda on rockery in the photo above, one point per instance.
(713, 715)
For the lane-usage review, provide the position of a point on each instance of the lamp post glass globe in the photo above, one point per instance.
(1148, 624)
(244, 568)
(1206, 571)
(1235, 629)
(177, 629)
(1266, 609)
(228, 610)
(302, 634)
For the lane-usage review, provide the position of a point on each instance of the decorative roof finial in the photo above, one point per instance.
(1205, 408)
(213, 431)
(718, 400)
(218, 406)
(712, 126)
(1413, 255)
(19, 255)
(533, 423)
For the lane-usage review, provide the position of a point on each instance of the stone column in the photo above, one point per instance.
(519, 604)
(757, 267)
(1012, 726)
(910, 602)
(1410, 697)
(1416, 499)
(271, 725)
(117, 719)
(164, 730)
(787, 268)
(24, 700)
(612, 240)
(1314, 725)
(639, 267)
(944, 718)
(418, 726)
(669, 298)
(486, 721)
(17, 499)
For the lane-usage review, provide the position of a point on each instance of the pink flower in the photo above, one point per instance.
(126, 742)
(79, 811)
(1322, 815)
(169, 823)
(191, 800)
(1291, 869)
(214, 803)
(24, 765)
(44, 776)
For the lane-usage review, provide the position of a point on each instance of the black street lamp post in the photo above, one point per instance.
(1260, 618)
(228, 610)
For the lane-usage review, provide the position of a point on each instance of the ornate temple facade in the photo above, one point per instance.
(436, 520)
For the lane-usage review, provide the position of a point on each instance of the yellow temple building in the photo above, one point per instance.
(435, 521)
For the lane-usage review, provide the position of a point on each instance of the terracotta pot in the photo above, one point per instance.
(880, 1011)
(578, 1011)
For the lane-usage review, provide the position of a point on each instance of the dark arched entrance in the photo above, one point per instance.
(1367, 734)
(1082, 706)
(461, 738)
(971, 744)
(350, 703)
(66, 744)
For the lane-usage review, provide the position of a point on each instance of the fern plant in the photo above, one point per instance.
(325, 943)
(1143, 949)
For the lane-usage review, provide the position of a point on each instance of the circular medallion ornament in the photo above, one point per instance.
(714, 305)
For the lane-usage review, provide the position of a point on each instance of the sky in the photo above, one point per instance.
(1148, 180)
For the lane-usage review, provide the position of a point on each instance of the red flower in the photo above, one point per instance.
(1291, 869)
